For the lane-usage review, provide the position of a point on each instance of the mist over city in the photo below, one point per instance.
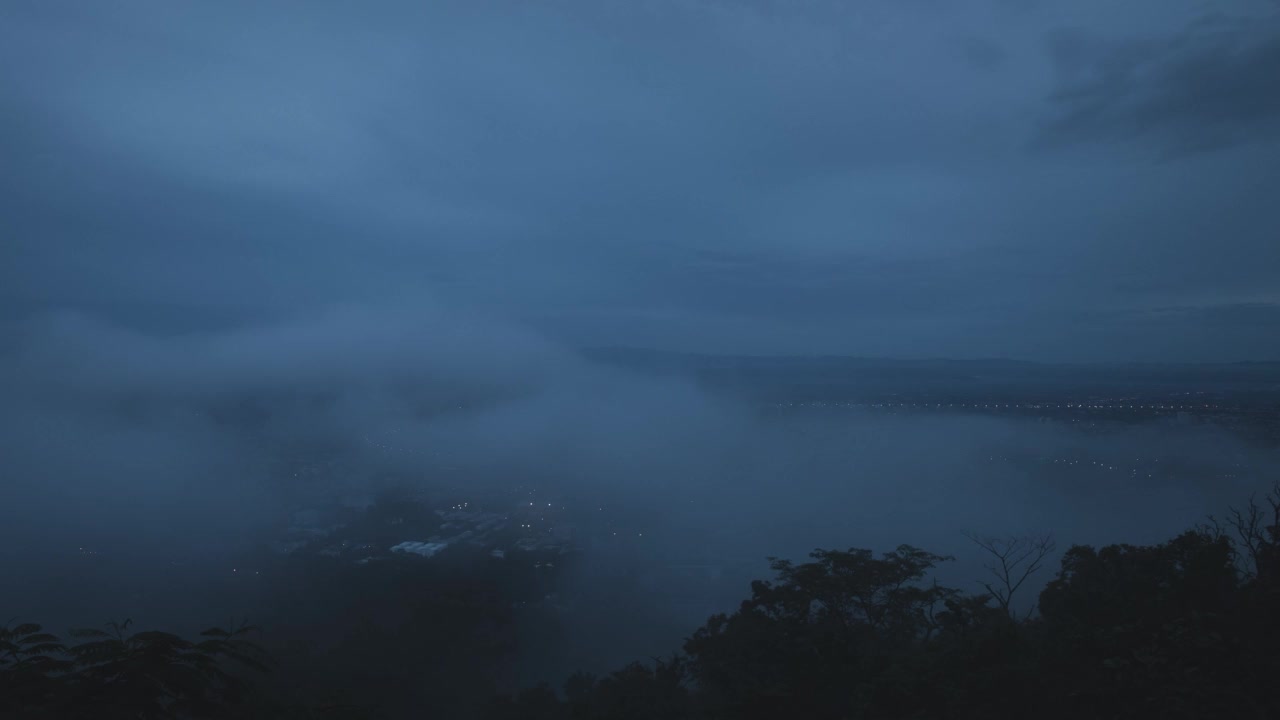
(672, 359)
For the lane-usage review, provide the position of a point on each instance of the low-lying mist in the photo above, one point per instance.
(181, 450)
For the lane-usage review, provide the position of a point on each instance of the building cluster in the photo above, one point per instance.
(378, 533)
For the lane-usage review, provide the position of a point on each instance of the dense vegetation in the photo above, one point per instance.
(117, 674)
(1185, 629)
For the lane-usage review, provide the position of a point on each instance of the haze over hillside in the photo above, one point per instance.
(464, 346)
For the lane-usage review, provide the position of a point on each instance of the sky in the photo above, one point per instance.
(1084, 181)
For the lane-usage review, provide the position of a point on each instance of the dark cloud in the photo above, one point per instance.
(983, 53)
(1215, 84)
(784, 177)
(1234, 316)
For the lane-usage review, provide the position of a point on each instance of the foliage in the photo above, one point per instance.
(1189, 628)
(813, 640)
(31, 661)
(112, 673)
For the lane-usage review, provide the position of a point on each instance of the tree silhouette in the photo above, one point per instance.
(1257, 531)
(114, 674)
(1174, 630)
(1014, 560)
(31, 660)
(814, 640)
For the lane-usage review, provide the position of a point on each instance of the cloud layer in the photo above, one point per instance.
(1003, 179)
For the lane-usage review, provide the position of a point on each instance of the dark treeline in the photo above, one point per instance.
(1189, 628)
(1186, 629)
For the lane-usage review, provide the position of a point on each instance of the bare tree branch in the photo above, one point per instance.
(1014, 560)
(1257, 529)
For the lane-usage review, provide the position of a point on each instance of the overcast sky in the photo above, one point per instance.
(1047, 180)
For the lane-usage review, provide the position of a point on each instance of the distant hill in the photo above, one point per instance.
(860, 375)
